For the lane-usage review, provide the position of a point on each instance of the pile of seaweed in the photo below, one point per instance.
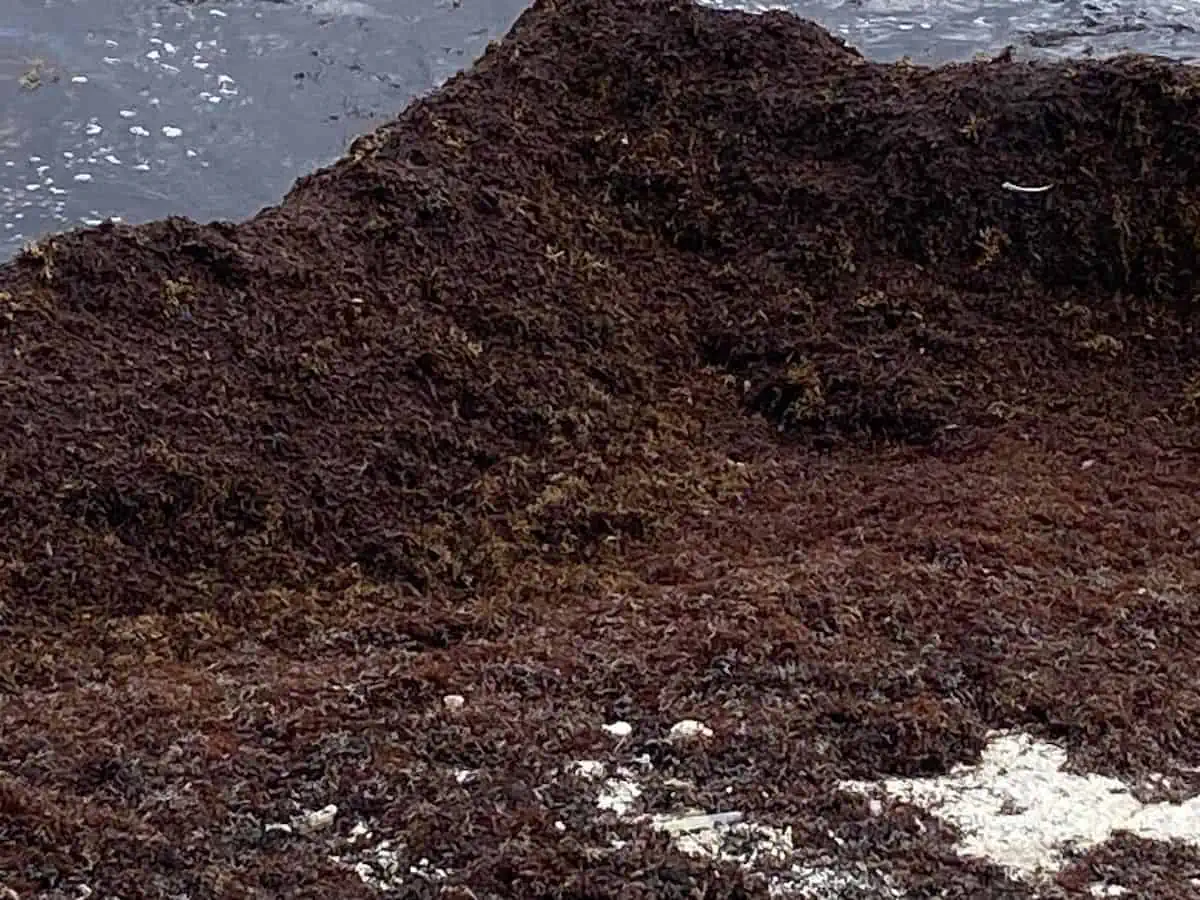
(540, 320)
(520, 268)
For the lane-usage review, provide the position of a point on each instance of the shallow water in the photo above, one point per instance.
(211, 110)
(936, 31)
(136, 110)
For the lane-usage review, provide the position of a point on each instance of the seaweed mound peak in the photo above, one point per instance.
(618, 195)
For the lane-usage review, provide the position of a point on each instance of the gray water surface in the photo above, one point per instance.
(138, 110)
(940, 31)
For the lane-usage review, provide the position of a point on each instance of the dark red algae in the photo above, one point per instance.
(668, 364)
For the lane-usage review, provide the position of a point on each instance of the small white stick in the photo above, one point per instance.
(1041, 189)
(698, 822)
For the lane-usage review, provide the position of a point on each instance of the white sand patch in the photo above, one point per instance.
(619, 794)
(587, 768)
(1108, 890)
(1020, 810)
(382, 866)
(770, 852)
(749, 846)
(832, 883)
(690, 730)
(726, 837)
